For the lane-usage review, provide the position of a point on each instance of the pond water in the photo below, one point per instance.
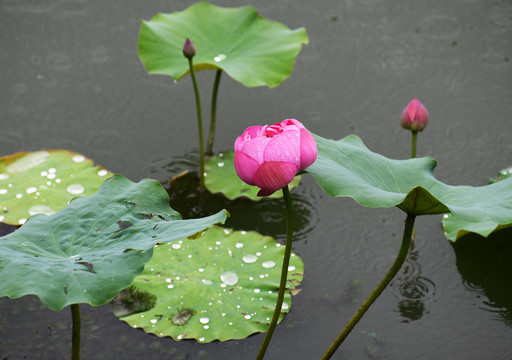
(71, 79)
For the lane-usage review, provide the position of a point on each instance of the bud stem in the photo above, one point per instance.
(402, 254)
(211, 135)
(199, 125)
(284, 274)
(413, 144)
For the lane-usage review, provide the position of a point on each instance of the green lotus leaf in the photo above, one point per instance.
(44, 182)
(94, 247)
(249, 48)
(455, 227)
(221, 177)
(347, 168)
(223, 286)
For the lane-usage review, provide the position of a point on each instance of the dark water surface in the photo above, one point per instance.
(71, 79)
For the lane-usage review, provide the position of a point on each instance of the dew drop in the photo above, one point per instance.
(285, 306)
(204, 320)
(41, 209)
(249, 258)
(31, 190)
(102, 172)
(268, 264)
(247, 316)
(4, 176)
(51, 176)
(219, 58)
(3, 191)
(206, 327)
(22, 221)
(226, 231)
(153, 321)
(44, 173)
(170, 286)
(206, 282)
(176, 246)
(75, 189)
(1, 218)
(229, 278)
(239, 245)
(256, 291)
(201, 338)
(200, 270)
(291, 268)
(52, 170)
(78, 158)
(19, 196)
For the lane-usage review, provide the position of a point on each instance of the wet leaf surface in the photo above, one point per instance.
(222, 286)
(44, 182)
(93, 248)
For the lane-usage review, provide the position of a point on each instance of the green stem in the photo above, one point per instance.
(402, 254)
(75, 339)
(284, 273)
(199, 125)
(413, 144)
(213, 115)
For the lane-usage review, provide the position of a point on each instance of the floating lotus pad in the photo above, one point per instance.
(221, 177)
(249, 48)
(222, 286)
(44, 182)
(93, 248)
(346, 168)
(455, 227)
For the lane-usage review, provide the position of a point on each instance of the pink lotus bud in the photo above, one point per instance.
(415, 116)
(269, 157)
(189, 50)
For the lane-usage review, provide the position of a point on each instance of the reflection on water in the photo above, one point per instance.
(486, 269)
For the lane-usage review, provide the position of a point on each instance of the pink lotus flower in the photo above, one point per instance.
(269, 157)
(415, 116)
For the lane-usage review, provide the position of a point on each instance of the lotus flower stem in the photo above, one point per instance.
(402, 254)
(213, 115)
(75, 339)
(284, 274)
(199, 125)
(413, 143)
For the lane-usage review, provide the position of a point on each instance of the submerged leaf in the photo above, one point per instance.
(347, 168)
(43, 182)
(223, 286)
(222, 178)
(93, 248)
(249, 48)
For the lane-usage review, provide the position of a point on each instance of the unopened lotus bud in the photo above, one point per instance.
(189, 50)
(415, 116)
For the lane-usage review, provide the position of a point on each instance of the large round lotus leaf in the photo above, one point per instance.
(95, 246)
(44, 182)
(221, 177)
(455, 227)
(347, 168)
(220, 287)
(249, 48)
